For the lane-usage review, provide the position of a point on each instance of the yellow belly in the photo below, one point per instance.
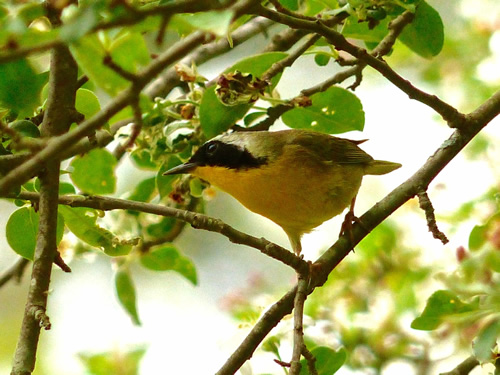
(298, 197)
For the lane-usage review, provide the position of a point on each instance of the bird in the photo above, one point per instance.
(296, 178)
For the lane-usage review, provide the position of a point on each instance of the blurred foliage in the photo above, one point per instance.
(116, 363)
(383, 283)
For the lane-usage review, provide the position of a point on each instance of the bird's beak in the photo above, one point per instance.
(180, 169)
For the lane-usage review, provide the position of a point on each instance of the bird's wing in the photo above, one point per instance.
(333, 149)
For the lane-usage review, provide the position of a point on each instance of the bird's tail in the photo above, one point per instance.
(378, 167)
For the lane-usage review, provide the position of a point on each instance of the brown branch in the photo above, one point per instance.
(119, 151)
(298, 322)
(15, 272)
(476, 121)
(464, 368)
(135, 15)
(57, 119)
(280, 8)
(108, 61)
(426, 205)
(197, 220)
(266, 323)
(20, 52)
(311, 361)
(454, 118)
(279, 66)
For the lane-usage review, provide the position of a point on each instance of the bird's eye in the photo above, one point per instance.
(212, 148)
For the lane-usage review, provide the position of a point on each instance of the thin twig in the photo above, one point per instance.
(280, 8)
(197, 220)
(298, 322)
(108, 61)
(311, 361)
(15, 272)
(464, 368)
(20, 52)
(135, 15)
(279, 66)
(120, 149)
(426, 205)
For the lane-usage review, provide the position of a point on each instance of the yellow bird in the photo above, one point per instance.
(296, 178)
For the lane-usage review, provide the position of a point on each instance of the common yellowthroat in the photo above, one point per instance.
(296, 178)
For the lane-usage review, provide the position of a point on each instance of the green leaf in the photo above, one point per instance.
(26, 128)
(129, 51)
(82, 222)
(125, 291)
(360, 30)
(66, 188)
(196, 187)
(22, 230)
(290, 4)
(440, 305)
(486, 341)
(89, 52)
(333, 111)
(87, 103)
(161, 228)
(321, 59)
(113, 362)
(164, 183)
(252, 117)
(142, 159)
(93, 173)
(328, 361)
(215, 117)
(20, 87)
(30, 11)
(216, 22)
(168, 258)
(81, 21)
(144, 190)
(477, 237)
(425, 35)
(272, 344)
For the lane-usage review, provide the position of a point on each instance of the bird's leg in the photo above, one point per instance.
(350, 218)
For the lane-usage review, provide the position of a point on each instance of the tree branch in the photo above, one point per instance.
(298, 322)
(20, 52)
(57, 119)
(197, 220)
(463, 368)
(454, 118)
(15, 272)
